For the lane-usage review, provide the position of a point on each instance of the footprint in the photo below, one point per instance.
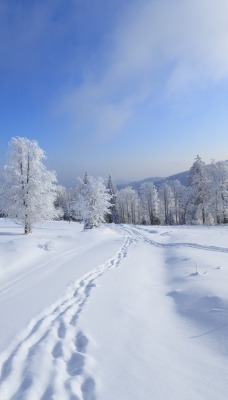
(48, 394)
(81, 342)
(88, 388)
(61, 330)
(57, 350)
(74, 397)
(74, 319)
(69, 390)
(88, 288)
(25, 385)
(35, 328)
(75, 364)
(7, 367)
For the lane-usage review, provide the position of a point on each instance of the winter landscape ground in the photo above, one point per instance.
(116, 313)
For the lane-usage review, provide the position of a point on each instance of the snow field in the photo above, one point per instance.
(144, 315)
(35, 278)
(146, 350)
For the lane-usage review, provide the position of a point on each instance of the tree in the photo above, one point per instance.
(186, 205)
(219, 191)
(199, 182)
(111, 188)
(95, 202)
(166, 204)
(30, 189)
(129, 206)
(149, 196)
(64, 203)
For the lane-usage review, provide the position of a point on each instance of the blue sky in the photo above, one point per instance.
(135, 88)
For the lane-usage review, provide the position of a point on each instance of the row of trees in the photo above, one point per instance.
(30, 194)
(204, 201)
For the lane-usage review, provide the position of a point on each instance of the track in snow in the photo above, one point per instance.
(49, 359)
(134, 232)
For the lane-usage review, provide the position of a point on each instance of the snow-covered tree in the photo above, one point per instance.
(1, 198)
(112, 190)
(85, 179)
(65, 202)
(94, 202)
(60, 201)
(219, 191)
(180, 195)
(166, 204)
(78, 203)
(199, 182)
(186, 205)
(150, 201)
(30, 189)
(129, 206)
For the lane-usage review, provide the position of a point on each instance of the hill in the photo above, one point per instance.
(182, 177)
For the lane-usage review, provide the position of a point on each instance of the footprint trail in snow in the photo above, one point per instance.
(49, 360)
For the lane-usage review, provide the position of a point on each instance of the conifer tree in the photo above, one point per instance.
(112, 190)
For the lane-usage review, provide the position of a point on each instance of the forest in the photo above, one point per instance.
(30, 194)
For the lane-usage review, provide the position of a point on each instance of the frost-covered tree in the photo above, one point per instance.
(199, 182)
(94, 202)
(78, 203)
(60, 201)
(186, 205)
(150, 203)
(112, 190)
(219, 191)
(65, 203)
(2, 215)
(85, 179)
(180, 198)
(166, 204)
(129, 206)
(177, 194)
(29, 189)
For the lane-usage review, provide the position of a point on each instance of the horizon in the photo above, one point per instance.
(132, 88)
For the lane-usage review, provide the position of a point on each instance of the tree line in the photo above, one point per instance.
(30, 194)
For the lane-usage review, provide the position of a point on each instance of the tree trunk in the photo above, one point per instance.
(27, 228)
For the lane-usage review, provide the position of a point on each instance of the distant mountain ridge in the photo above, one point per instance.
(136, 184)
(182, 177)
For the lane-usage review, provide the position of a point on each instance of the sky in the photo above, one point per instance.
(134, 88)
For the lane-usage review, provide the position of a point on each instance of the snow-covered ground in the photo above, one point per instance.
(116, 313)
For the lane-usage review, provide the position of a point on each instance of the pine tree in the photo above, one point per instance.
(30, 189)
(112, 190)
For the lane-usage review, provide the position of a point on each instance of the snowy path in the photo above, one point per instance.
(151, 329)
(51, 351)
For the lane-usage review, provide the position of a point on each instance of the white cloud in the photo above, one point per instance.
(189, 33)
(178, 43)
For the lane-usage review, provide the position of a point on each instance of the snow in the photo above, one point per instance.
(33, 273)
(120, 312)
